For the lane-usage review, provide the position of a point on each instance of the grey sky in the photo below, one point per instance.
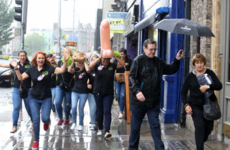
(43, 13)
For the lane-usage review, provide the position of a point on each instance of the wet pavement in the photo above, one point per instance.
(62, 138)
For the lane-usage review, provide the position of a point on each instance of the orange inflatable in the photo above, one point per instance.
(106, 51)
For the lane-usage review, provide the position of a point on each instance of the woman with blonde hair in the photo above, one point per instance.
(196, 100)
(64, 87)
(79, 92)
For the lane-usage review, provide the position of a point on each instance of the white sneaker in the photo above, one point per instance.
(107, 135)
(120, 116)
(80, 128)
(92, 127)
(73, 126)
(99, 133)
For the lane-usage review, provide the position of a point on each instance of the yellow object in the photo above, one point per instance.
(53, 52)
(6, 57)
(116, 22)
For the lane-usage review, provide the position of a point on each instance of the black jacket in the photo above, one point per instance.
(145, 76)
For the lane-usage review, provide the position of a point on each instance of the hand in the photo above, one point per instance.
(188, 110)
(204, 88)
(14, 63)
(140, 96)
(180, 54)
(89, 86)
(66, 55)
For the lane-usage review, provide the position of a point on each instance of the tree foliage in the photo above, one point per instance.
(6, 19)
(33, 43)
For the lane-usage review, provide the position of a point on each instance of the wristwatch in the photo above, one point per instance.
(208, 86)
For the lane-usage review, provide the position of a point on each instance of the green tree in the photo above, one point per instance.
(33, 43)
(6, 19)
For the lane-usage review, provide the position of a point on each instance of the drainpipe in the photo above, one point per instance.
(186, 58)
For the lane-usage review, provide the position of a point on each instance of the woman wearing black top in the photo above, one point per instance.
(51, 59)
(196, 100)
(103, 90)
(79, 92)
(22, 65)
(120, 87)
(91, 99)
(41, 97)
(63, 94)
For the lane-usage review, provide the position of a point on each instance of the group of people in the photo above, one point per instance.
(68, 82)
(73, 83)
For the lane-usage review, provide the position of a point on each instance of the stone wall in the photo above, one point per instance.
(201, 11)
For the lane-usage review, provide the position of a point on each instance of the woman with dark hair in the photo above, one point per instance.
(194, 104)
(120, 87)
(41, 96)
(22, 66)
(51, 59)
(103, 90)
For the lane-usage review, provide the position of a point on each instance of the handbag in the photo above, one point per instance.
(211, 108)
(120, 77)
(65, 86)
(23, 90)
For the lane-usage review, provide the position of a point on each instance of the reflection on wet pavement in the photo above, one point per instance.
(62, 138)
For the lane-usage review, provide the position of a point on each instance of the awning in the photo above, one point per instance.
(151, 19)
(144, 23)
(129, 33)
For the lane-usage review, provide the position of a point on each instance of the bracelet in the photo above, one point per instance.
(16, 69)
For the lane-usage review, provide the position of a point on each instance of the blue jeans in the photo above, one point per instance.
(45, 107)
(138, 114)
(104, 106)
(17, 102)
(53, 90)
(92, 108)
(120, 94)
(60, 94)
(82, 100)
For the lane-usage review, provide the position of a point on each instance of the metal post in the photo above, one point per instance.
(186, 59)
(58, 53)
(22, 36)
(73, 18)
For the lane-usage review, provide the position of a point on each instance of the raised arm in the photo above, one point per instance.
(93, 64)
(70, 68)
(87, 68)
(19, 75)
(121, 63)
(173, 68)
(4, 65)
(61, 70)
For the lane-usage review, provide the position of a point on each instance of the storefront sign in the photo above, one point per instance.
(129, 27)
(116, 21)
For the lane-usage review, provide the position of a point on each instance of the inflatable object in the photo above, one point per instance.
(117, 54)
(79, 57)
(106, 51)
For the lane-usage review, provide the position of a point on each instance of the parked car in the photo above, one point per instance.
(7, 76)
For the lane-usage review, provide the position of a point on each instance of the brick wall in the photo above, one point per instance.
(201, 11)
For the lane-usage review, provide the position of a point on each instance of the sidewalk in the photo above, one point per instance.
(61, 138)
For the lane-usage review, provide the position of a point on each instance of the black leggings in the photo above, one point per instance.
(203, 128)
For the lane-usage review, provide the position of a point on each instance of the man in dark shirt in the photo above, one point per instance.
(145, 80)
